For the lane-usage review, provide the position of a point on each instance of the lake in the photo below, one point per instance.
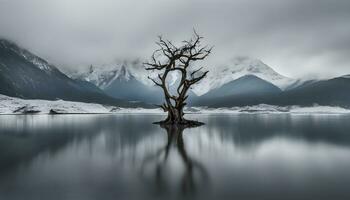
(233, 156)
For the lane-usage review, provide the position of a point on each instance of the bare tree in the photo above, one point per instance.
(170, 58)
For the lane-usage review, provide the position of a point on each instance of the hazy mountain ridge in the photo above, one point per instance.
(219, 75)
(246, 90)
(128, 79)
(120, 80)
(332, 92)
(236, 68)
(35, 60)
(245, 82)
(242, 81)
(103, 75)
(25, 75)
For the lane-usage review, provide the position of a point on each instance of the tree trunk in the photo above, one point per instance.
(175, 116)
(178, 59)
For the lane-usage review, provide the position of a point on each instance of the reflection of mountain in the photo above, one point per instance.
(51, 134)
(248, 130)
(18, 146)
(101, 156)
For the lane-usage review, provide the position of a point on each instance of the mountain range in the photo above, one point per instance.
(240, 81)
(25, 75)
(120, 81)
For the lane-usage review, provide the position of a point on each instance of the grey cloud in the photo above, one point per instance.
(295, 37)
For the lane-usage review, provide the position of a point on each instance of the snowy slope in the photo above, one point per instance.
(30, 57)
(105, 74)
(25, 75)
(239, 67)
(125, 80)
(11, 105)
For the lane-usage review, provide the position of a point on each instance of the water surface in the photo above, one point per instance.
(240, 156)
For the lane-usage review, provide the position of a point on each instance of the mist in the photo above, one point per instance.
(297, 38)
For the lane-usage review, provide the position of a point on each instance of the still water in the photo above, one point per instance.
(241, 156)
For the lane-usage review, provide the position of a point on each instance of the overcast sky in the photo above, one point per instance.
(295, 37)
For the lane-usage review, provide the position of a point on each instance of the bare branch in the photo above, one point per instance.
(155, 82)
(195, 80)
(178, 58)
(196, 71)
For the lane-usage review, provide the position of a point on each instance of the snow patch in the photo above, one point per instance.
(35, 60)
(105, 74)
(270, 109)
(236, 68)
(11, 105)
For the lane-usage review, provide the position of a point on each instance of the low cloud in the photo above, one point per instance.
(295, 37)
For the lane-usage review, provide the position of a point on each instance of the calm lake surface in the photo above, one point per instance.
(241, 156)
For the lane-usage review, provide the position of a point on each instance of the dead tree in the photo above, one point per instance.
(170, 58)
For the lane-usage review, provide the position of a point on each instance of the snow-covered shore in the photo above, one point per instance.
(11, 105)
(263, 108)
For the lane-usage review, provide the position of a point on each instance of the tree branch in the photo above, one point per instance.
(195, 80)
(154, 81)
(178, 58)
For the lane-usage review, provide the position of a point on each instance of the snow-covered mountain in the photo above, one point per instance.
(25, 75)
(236, 68)
(128, 79)
(331, 92)
(28, 56)
(242, 81)
(246, 90)
(124, 80)
(104, 75)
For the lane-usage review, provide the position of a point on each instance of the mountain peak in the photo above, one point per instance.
(103, 75)
(124, 73)
(252, 65)
(237, 67)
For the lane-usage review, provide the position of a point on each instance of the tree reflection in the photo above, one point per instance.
(155, 165)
